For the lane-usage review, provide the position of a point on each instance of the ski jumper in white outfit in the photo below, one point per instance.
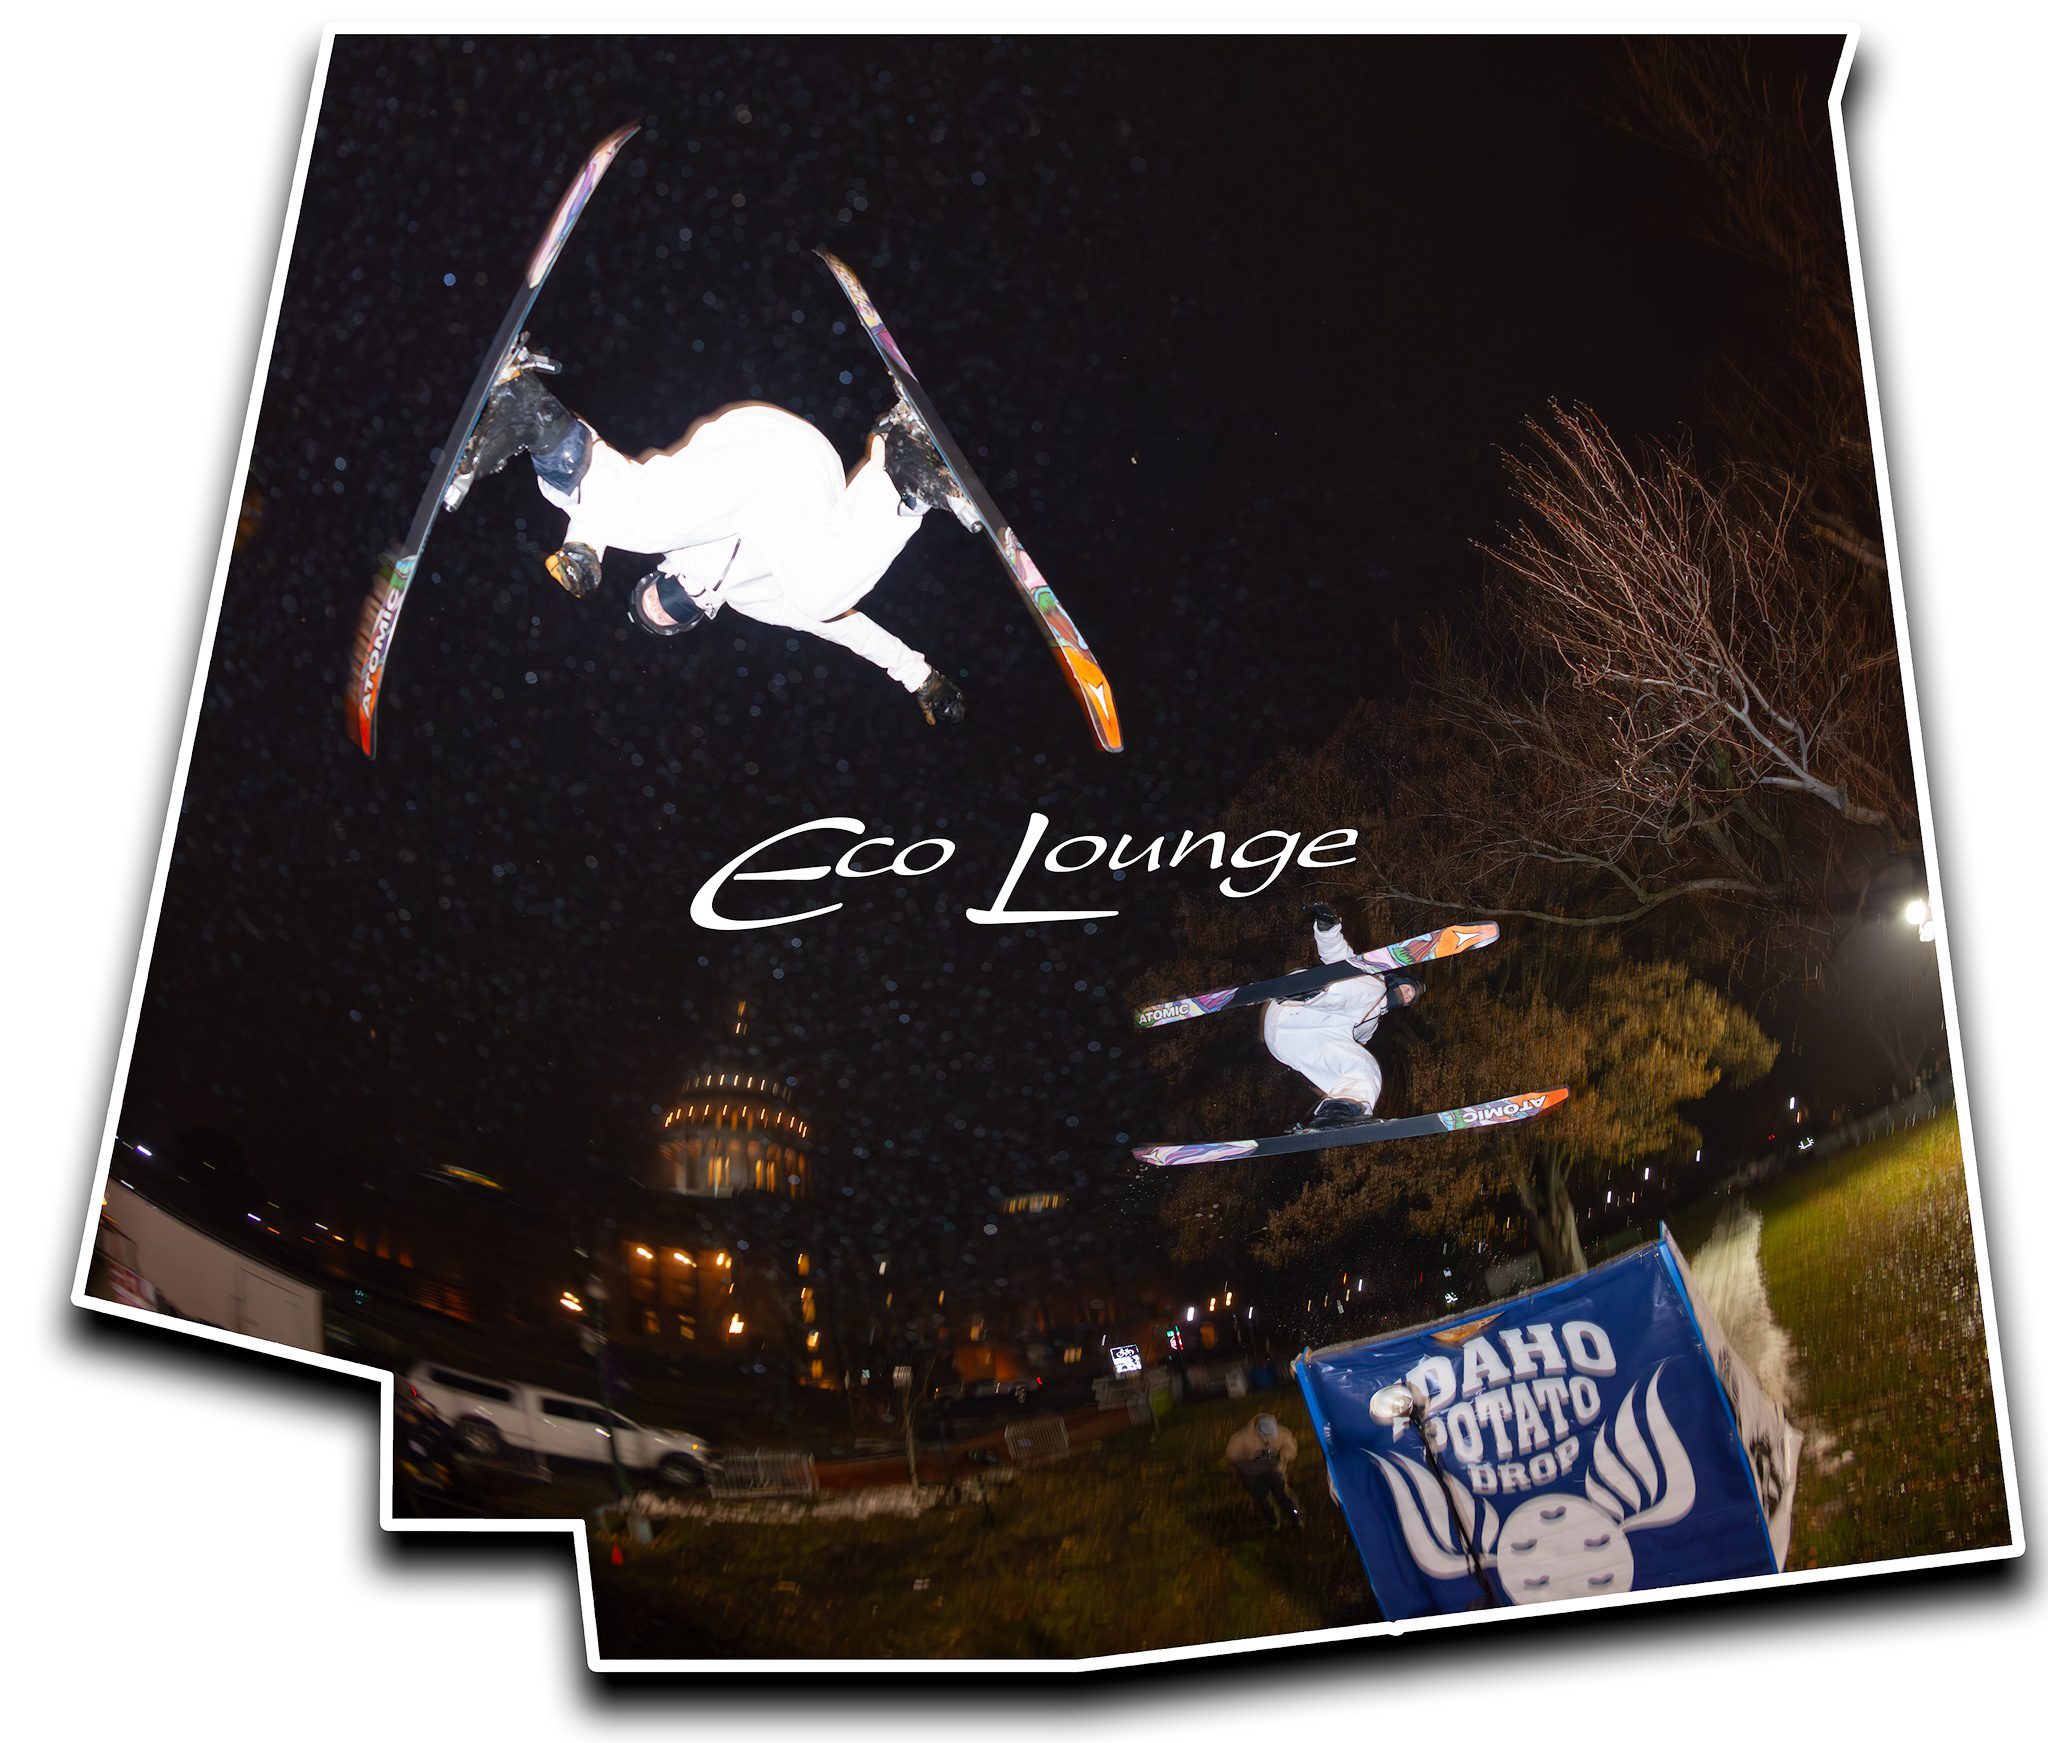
(753, 510)
(1323, 1036)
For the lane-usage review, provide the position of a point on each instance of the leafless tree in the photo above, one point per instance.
(1770, 194)
(1676, 701)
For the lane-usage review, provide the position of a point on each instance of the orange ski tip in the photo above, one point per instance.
(1091, 684)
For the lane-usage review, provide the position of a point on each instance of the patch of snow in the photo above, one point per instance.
(893, 1500)
(1728, 1271)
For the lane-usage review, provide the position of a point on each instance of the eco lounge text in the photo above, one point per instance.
(1270, 851)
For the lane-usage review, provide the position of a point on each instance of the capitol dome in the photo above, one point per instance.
(734, 1129)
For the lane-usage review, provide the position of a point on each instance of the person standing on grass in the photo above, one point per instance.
(1260, 1453)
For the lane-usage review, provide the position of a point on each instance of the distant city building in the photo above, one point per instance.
(715, 1254)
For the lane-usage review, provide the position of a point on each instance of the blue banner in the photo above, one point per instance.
(1580, 1444)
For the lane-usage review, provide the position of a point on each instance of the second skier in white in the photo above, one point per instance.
(1324, 1036)
(751, 510)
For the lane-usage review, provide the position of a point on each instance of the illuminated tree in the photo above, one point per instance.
(1636, 1043)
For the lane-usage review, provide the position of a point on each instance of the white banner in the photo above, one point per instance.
(1768, 1435)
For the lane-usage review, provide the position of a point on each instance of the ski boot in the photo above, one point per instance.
(1336, 1114)
(921, 477)
(940, 699)
(661, 607)
(520, 416)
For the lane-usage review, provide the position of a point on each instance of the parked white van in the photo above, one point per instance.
(492, 1417)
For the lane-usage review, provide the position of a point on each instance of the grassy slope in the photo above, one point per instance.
(1871, 1270)
(1143, 1543)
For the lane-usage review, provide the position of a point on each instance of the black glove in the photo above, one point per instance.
(940, 699)
(576, 567)
(1324, 916)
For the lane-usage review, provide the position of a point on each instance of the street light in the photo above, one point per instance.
(595, 1339)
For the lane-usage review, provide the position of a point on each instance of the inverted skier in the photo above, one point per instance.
(1324, 1035)
(751, 510)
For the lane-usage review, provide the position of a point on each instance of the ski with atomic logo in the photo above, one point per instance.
(1084, 674)
(1426, 947)
(379, 621)
(1508, 1110)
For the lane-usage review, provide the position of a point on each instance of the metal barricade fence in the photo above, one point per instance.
(764, 1473)
(1037, 1442)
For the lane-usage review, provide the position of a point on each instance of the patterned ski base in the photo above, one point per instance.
(1084, 673)
(1426, 947)
(1506, 1111)
(379, 621)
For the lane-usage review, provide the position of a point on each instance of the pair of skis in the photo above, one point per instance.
(378, 624)
(1305, 984)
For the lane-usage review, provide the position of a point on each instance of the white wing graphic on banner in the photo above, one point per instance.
(1426, 1528)
(1616, 1492)
(1554, 1545)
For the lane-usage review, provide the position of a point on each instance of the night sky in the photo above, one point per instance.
(1234, 331)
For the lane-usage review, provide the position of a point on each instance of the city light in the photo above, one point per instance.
(1917, 912)
(1191, 1313)
(737, 1326)
(571, 1303)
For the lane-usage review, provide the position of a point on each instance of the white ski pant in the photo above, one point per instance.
(753, 510)
(1324, 1037)
(1318, 1040)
